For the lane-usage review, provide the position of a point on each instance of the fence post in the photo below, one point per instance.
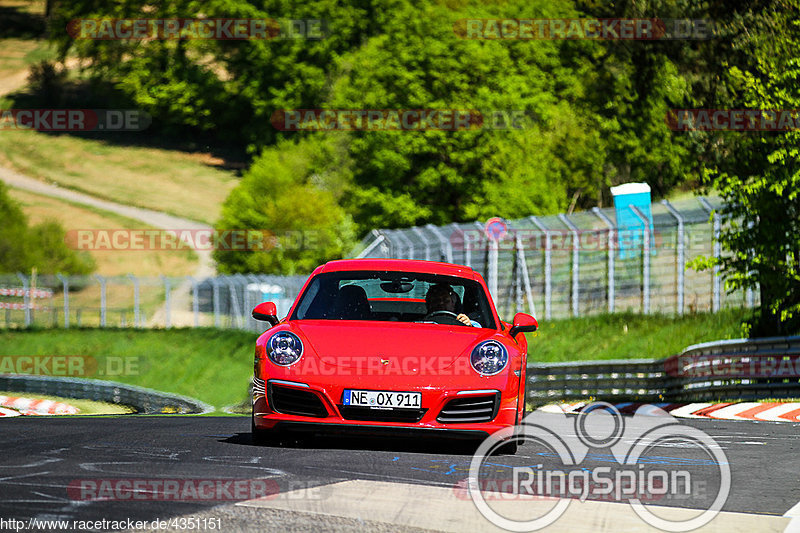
(716, 288)
(611, 259)
(374, 244)
(100, 279)
(167, 302)
(136, 318)
(215, 297)
(424, 240)
(645, 259)
(481, 236)
(575, 263)
(463, 244)
(446, 246)
(410, 253)
(494, 249)
(26, 294)
(548, 267)
(65, 288)
(680, 265)
(195, 301)
(526, 280)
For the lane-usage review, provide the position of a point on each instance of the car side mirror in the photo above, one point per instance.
(266, 312)
(522, 323)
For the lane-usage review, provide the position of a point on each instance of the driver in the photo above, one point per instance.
(442, 297)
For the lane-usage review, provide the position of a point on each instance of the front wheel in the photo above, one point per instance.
(509, 448)
(263, 437)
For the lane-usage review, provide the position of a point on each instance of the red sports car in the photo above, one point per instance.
(386, 345)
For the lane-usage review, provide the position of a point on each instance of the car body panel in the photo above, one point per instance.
(430, 359)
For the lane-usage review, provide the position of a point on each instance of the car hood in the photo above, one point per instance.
(358, 343)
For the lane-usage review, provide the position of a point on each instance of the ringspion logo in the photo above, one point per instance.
(639, 474)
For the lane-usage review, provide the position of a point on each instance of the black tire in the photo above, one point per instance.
(509, 448)
(262, 437)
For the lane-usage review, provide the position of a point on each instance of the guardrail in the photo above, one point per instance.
(739, 369)
(140, 399)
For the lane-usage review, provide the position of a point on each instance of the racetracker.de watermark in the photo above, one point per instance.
(356, 365)
(191, 490)
(399, 119)
(218, 29)
(74, 366)
(733, 119)
(636, 470)
(498, 233)
(75, 120)
(647, 29)
(733, 366)
(189, 239)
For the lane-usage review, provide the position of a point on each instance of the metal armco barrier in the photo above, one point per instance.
(141, 400)
(739, 369)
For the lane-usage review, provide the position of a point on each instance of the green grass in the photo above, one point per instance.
(629, 336)
(183, 184)
(211, 365)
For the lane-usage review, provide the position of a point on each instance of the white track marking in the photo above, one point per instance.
(773, 415)
(687, 410)
(731, 412)
(452, 510)
(794, 523)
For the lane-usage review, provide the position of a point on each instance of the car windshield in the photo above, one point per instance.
(393, 296)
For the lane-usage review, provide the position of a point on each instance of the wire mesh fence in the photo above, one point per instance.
(141, 302)
(549, 266)
(583, 263)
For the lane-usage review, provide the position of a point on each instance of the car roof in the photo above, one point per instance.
(399, 265)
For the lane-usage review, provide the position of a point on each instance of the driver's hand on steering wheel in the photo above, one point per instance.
(464, 319)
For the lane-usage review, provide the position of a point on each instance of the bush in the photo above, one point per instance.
(290, 193)
(42, 246)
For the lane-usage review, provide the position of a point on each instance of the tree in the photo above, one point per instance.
(290, 194)
(404, 178)
(758, 173)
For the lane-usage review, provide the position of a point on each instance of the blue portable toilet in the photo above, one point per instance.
(630, 226)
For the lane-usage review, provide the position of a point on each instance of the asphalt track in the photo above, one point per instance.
(43, 457)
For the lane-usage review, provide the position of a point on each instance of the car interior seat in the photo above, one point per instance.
(352, 303)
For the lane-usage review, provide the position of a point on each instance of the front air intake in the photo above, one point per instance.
(291, 401)
(472, 409)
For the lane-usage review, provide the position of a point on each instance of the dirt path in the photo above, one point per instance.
(181, 295)
(181, 314)
(18, 80)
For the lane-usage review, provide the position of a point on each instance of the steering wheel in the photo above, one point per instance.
(444, 317)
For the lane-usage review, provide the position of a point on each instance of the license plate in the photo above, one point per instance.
(382, 399)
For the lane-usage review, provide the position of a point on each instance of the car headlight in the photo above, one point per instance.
(488, 358)
(284, 348)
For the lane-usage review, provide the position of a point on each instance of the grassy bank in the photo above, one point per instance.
(629, 336)
(214, 366)
(183, 184)
(72, 216)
